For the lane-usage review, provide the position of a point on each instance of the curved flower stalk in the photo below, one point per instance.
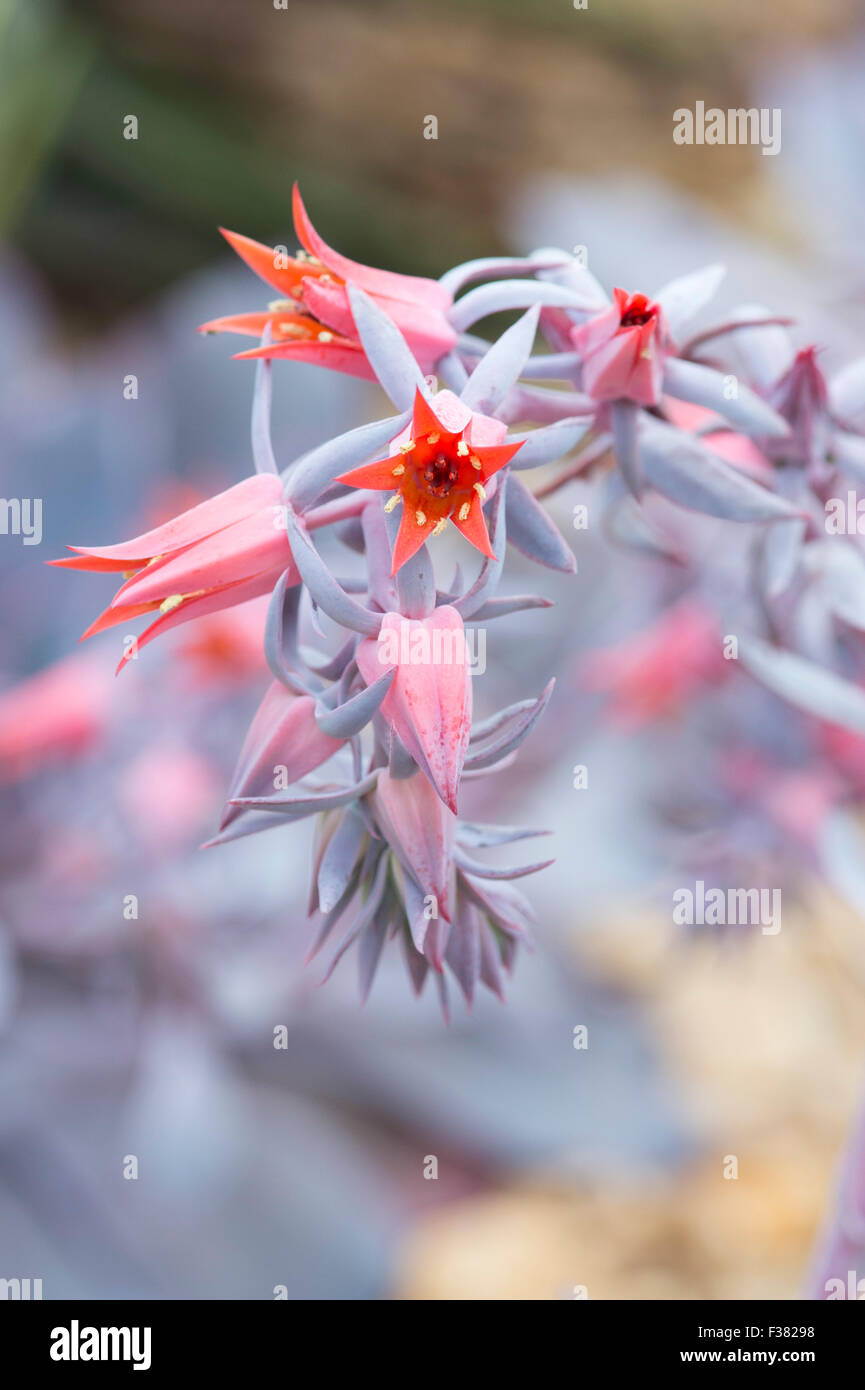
(369, 724)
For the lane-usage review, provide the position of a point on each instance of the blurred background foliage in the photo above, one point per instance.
(234, 100)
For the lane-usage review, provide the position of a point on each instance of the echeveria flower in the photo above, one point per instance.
(226, 550)
(438, 468)
(284, 743)
(623, 348)
(429, 704)
(313, 321)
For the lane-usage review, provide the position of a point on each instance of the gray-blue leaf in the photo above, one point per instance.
(509, 294)
(327, 592)
(625, 419)
(548, 443)
(499, 368)
(533, 533)
(682, 468)
(802, 683)
(314, 472)
(339, 859)
(681, 299)
(388, 353)
(348, 719)
(691, 381)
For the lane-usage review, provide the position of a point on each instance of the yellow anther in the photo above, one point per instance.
(440, 526)
(279, 306)
(433, 438)
(479, 489)
(462, 448)
(475, 462)
(389, 506)
(294, 330)
(407, 447)
(464, 511)
(325, 337)
(168, 605)
(398, 471)
(420, 517)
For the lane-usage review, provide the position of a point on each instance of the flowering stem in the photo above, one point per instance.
(341, 509)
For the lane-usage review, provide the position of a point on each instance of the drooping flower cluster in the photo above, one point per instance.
(374, 736)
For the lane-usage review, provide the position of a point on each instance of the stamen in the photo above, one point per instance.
(407, 447)
(440, 526)
(479, 489)
(398, 471)
(420, 517)
(325, 337)
(393, 502)
(433, 438)
(464, 511)
(475, 462)
(462, 448)
(169, 604)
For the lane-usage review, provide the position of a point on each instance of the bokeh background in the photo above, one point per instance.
(152, 1035)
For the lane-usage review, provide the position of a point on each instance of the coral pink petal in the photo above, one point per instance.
(215, 514)
(283, 735)
(348, 358)
(420, 830)
(474, 528)
(250, 546)
(252, 324)
(207, 603)
(262, 259)
(430, 702)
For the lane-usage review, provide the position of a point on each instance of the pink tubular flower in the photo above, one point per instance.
(429, 704)
(312, 321)
(623, 349)
(420, 831)
(283, 744)
(228, 549)
(653, 673)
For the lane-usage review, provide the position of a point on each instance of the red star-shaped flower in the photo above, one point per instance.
(438, 468)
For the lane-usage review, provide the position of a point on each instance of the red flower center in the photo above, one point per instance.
(440, 475)
(637, 311)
